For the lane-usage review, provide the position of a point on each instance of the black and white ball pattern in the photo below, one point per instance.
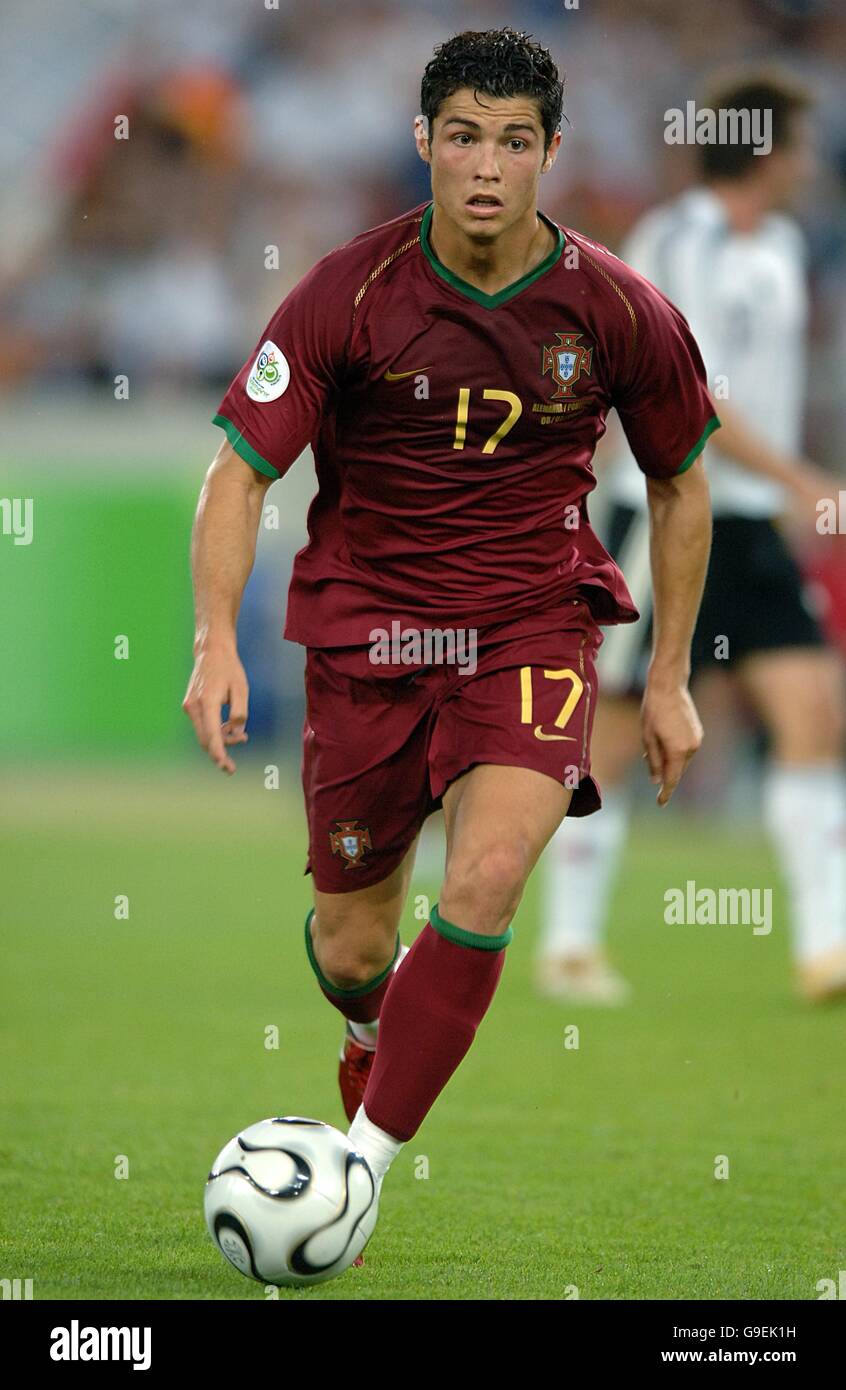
(289, 1201)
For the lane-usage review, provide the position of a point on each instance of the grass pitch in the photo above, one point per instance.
(550, 1168)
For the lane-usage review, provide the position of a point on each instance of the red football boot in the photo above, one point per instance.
(353, 1071)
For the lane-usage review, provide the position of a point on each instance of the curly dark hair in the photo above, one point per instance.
(500, 63)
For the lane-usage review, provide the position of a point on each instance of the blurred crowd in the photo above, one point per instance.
(261, 134)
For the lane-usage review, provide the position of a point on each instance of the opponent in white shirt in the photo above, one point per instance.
(744, 295)
(734, 264)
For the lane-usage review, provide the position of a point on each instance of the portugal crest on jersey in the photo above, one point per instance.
(567, 359)
(350, 840)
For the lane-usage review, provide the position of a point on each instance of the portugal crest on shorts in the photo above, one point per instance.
(567, 359)
(350, 840)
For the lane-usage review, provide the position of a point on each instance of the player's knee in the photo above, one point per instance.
(352, 957)
(820, 732)
(348, 968)
(492, 880)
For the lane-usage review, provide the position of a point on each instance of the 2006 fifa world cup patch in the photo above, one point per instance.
(270, 374)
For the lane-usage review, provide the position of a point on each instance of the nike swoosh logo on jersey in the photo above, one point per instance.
(398, 376)
(547, 738)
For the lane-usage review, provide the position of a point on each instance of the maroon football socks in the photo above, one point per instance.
(438, 996)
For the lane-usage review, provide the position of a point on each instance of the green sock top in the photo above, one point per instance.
(460, 937)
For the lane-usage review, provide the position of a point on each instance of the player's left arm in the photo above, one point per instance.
(680, 542)
(668, 416)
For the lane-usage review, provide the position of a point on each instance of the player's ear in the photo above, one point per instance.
(421, 138)
(552, 153)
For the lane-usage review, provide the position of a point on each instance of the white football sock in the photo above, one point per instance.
(578, 872)
(380, 1149)
(367, 1033)
(805, 812)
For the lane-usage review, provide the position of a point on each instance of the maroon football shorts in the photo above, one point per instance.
(381, 744)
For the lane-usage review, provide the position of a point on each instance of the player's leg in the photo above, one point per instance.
(352, 940)
(509, 751)
(353, 945)
(497, 821)
(366, 797)
(580, 866)
(777, 652)
(798, 694)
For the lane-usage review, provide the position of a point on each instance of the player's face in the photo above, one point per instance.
(487, 156)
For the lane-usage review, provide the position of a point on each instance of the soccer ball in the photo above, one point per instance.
(290, 1201)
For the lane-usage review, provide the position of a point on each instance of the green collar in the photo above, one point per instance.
(488, 301)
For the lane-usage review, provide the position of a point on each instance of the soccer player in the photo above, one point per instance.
(452, 371)
(734, 263)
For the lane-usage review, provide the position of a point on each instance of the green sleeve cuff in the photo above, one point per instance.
(713, 424)
(243, 448)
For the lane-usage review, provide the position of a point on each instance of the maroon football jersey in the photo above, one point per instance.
(453, 430)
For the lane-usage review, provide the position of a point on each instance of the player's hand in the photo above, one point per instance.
(671, 734)
(809, 487)
(218, 678)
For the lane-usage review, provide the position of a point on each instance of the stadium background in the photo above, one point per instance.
(253, 129)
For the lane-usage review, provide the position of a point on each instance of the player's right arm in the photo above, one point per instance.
(269, 414)
(223, 550)
(805, 481)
